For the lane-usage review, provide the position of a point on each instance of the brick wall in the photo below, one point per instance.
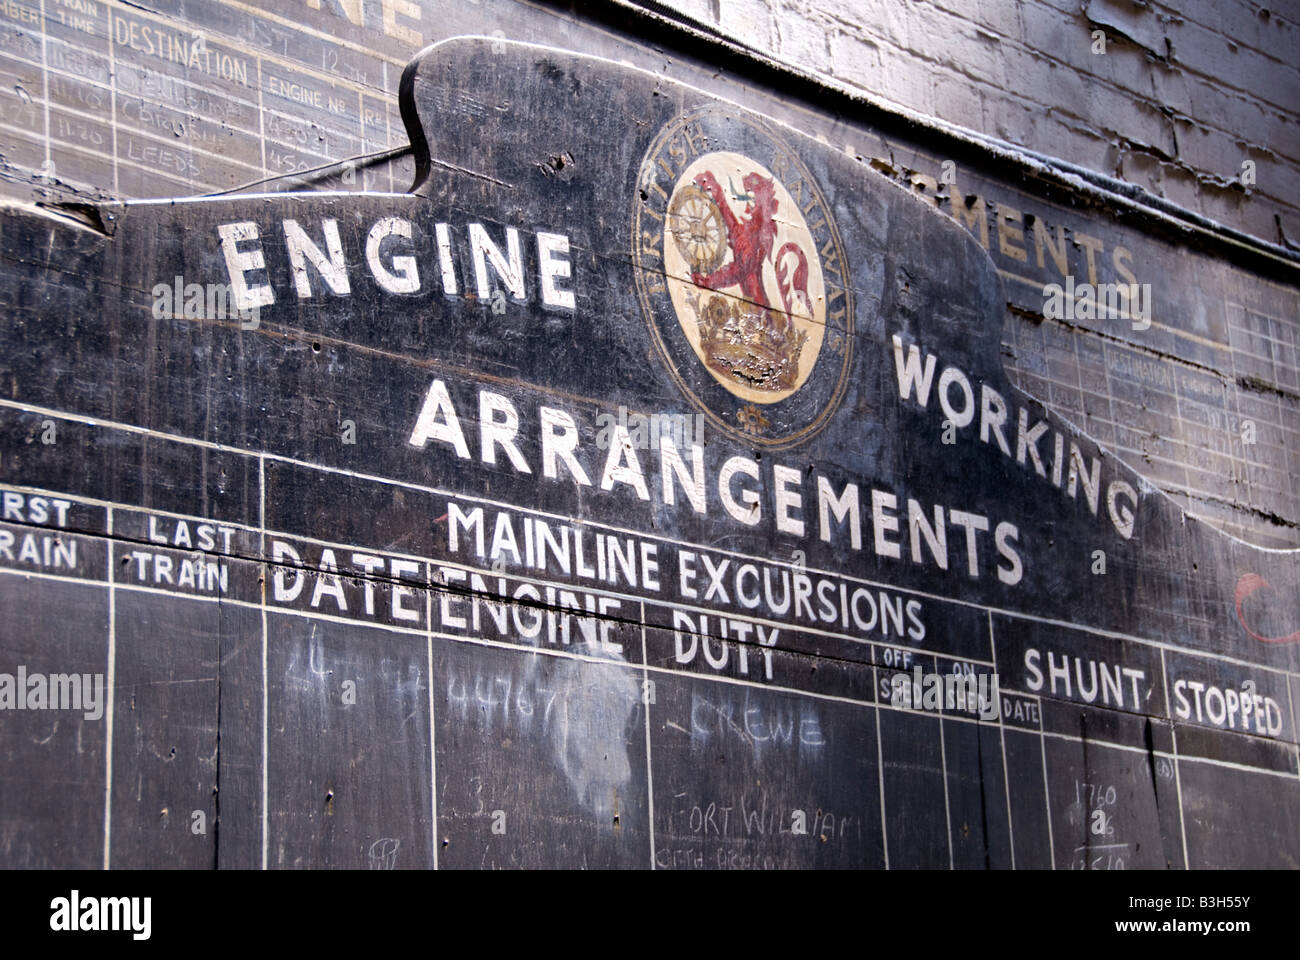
(1182, 96)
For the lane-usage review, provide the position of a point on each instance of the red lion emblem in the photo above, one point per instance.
(750, 241)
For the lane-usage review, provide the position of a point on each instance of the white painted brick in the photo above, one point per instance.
(1066, 89)
(1144, 170)
(1246, 213)
(1011, 119)
(888, 21)
(801, 41)
(1135, 119)
(1277, 35)
(1129, 23)
(1208, 53)
(1209, 150)
(1281, 181)
(1028, 73)
(1057, 136)
(1129, 66)
(957, 99)
(1267, 80)
(1233, 113)
(1172, 87)
(747, 21)
(1000, 16)
(904, 79)
(1182, 188)
(962, 9)
(855, 59)
(1070, 7)
(1023, 71)
(1067, 38)
(701, 10)
(1202, 50)
(1264, 126)
(947, 39)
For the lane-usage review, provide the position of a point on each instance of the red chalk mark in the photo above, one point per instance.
(1247, 585)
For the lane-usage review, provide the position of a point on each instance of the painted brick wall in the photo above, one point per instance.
(1182, 96)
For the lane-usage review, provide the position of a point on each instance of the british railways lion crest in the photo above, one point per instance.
(742, 279)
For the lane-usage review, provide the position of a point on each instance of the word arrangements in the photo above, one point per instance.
(750, 493)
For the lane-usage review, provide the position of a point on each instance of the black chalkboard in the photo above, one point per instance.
(641, 489)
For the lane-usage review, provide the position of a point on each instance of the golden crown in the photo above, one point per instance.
(752, 344)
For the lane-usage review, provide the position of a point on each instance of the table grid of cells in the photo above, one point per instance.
(434, 708)
(107, 96)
